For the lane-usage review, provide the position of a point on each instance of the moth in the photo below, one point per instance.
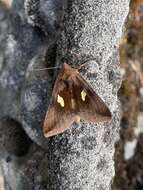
(72, 99)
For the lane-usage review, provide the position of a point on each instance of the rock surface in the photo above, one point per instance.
(85, 160)
(82, 157)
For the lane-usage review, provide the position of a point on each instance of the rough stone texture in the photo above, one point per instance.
(82, 157)
(15, 140)
(85, 161)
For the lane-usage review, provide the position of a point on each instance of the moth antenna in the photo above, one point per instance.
(85, 63)
(49, 68)
(93, 59)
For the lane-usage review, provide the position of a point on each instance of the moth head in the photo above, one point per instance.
(68, 71)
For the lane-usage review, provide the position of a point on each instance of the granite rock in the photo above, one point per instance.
(82, 157)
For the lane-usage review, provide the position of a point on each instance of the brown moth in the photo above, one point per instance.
(72, 99)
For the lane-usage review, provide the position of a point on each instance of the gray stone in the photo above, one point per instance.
(81, 157)
(92, 31)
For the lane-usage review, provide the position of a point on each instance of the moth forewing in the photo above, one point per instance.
(92, 106)
(57, 122)
(72, 99)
